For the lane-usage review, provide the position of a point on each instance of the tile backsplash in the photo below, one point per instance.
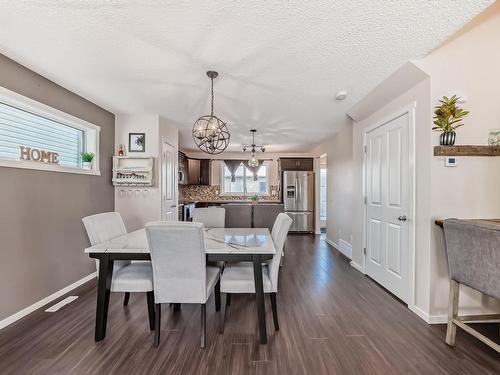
(212, 193)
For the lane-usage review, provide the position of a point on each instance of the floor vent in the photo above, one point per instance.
(60, 304)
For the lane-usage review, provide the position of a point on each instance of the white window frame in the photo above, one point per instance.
(91, 133)
(243, 194)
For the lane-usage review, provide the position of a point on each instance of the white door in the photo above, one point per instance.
(168, 182)
(388, 204)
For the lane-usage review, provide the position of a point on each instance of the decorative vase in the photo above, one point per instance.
(447, 138)
(87, 165)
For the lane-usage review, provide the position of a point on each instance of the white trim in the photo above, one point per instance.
(330, 242)
(345, 248)
(22, 102)
(410, 110)
(357, 266)
(25, 164)
(37, 305)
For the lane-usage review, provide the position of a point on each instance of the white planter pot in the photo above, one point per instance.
(87, 165)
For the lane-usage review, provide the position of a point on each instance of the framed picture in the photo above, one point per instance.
(136, 142)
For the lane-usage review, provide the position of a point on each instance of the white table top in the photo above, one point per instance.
(217, 241)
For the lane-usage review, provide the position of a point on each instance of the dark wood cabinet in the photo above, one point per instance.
(296, 164)
(198, 172)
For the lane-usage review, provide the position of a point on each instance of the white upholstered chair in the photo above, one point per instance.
(180, 272)
(211, 217)
(127, 277)
(238, 277)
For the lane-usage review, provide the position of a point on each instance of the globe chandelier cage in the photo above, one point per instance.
(253, 162)
(210, 133)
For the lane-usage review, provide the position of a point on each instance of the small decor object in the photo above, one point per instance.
(87, 158)
(448, 117)
(136, 142)
(121, 150)
(494, 137)
(254, 198)
(210, 133)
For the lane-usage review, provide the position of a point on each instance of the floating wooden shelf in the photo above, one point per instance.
(466, 150)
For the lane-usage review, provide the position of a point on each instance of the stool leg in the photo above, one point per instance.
(451, 330)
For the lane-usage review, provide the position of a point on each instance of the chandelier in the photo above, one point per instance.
(210, 133)
(253, 162)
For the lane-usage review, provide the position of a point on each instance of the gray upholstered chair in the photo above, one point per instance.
(180, 272)
(210, 217)
(473, 250)
(264, 214)
(238, 215)
(127, 277)
(238, 277)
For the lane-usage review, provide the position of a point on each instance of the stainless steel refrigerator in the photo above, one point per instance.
(298, 198)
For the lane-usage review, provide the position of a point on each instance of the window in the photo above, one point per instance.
(32, 133)
(244, 183)
(322, 194)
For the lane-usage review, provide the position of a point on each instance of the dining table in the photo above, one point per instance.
(221, 244)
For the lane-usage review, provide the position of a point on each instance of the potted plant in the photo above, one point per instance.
(447, 117)
(87, 158)
(254, 198)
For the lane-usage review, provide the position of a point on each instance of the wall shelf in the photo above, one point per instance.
(467, 150)
(133, 171)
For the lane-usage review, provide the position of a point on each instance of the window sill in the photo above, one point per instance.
(47, 167)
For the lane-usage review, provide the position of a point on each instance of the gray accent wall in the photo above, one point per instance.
(41, 234)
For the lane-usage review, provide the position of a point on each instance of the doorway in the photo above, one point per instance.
(323, 188)
(168, 182)
(388, 176)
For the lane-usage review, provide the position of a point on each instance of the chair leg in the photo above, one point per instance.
(203, 325)
(222, 315)
(217, 295)
(451, 330)
(177, 307)
(275, 311)
(157, 324)
(150, 298)
(228, 299)
(126, 298)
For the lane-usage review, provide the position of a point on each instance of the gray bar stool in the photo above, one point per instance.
(473, 250)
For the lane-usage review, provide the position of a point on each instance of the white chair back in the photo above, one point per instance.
(279, 232)
(210, 217)
(104, 227)
(179, 261)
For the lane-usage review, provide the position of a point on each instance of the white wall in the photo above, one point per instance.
(145, 205)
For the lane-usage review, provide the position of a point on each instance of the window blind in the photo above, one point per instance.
(22, 128)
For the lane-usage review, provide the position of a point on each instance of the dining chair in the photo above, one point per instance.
(473, 252)
(180, 273)
(238, 277)
(210, 217)
(127, 277)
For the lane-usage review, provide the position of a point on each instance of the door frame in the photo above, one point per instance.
(176, 184)
(410, 110)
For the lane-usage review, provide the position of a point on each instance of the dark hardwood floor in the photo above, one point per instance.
(333, 320)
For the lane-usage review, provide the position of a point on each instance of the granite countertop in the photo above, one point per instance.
(226, 201)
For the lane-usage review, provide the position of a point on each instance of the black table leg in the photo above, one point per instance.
(259, 293)
(103, 291)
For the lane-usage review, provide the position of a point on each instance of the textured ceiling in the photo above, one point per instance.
(280, 63)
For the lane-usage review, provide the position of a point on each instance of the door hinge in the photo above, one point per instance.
(364, 250)
(365, 200)
(365, 149)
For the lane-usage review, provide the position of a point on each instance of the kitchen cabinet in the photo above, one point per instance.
(296, 164)
(183, 169)
(198, 171)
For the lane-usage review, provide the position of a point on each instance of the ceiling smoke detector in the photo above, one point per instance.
(341, 95)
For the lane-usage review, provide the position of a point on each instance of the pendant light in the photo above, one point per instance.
(210, 133)
(253, 162)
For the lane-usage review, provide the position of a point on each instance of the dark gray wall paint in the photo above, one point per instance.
(41, 233)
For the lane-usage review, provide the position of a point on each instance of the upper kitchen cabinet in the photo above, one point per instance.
(198, 172)
(296, 164)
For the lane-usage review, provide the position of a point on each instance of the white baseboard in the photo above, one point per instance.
(28, 310)
(345, 248)
(357, 266)
(331, 243)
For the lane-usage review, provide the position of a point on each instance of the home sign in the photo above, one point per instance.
(34, 154)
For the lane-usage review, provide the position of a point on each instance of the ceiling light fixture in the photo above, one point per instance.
(210, 133)
(341, 95)
(253, 162)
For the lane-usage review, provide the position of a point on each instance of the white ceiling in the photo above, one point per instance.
(280, 63)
